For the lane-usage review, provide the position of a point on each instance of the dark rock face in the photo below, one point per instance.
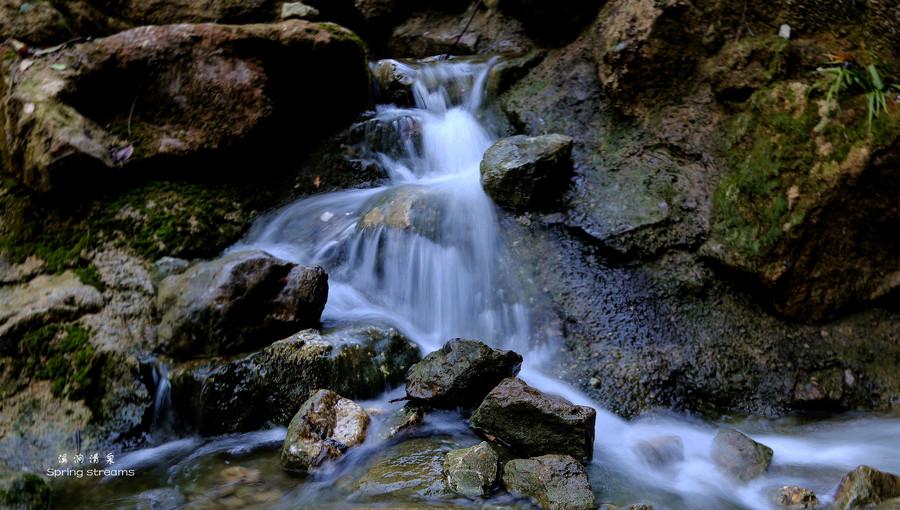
(242, 300)
(325, 427)
(220, 396)
(23, 491)
(740, 456)
(534, 423)
(551, 21)
(864, 487)
(183, 94)
(460, 374)
(556, 482)
(524, 173)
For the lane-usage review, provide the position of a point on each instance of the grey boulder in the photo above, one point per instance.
(527, 173)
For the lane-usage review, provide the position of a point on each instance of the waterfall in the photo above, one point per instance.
(162, 423)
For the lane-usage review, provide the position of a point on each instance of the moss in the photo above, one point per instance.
(89, 275)
(61, 354)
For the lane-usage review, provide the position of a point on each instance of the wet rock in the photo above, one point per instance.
(46, 299)
(822, 388)
(20, 272)
(459, 374)
(535, 423)
(400, 421)
(168, 266)
(324, 428)
(408, 208)
(796, 498)
(555, 482)
(20, 490)
(178, 93)
(740, 456)
(394, 81)
(298, 10)
(661, 451)
(472, 471)
(409, 470)
(267, 387)
(241, 300)
(525, 173)
(160, 499)
(865, 486)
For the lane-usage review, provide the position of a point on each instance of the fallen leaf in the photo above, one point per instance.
(58, 67)
(123, 154)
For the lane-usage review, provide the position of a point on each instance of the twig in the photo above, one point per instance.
(474, 11)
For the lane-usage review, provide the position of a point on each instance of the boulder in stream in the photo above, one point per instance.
(661, 451)
(323, 429)
(535, 423)
(525, 173)
(459, 374)
(472, 471)
(555, 482)
(796, 498)
(739, 456)
(241, 300)
(865, 487)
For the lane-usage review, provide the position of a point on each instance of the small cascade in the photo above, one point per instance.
(163, 421)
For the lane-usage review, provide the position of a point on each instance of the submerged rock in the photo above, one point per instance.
(535, 423)
(178, 94)
(865, 487)
(472, 471)
(459, 374)
(25, 491)
(408, 208)
(661, 451)
(412, 469)
(796, 498)
(740, 456)
(401, 420)
(267, 387)
(525, 173)
(323, 429)
(241, 300)
(555, 482)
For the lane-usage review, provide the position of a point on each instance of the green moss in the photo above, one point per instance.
(89, 275)
(61, 354)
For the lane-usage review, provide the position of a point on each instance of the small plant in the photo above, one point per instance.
(846, 74)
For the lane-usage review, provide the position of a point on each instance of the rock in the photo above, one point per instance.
(242, 300)
(437, 32)
(535, 423)
(393, 80)
(324, 428)
(865, 486)
(400, 421)
(661, 451)
(472, 471)
(168, 266)
(550, 21)
(410, 470)
(796, 498)
(267, 387)
(740, 456)
(22, 271)
(20, 490)
(891, 504)
(523, 173)
(459, 374)
(178, 93)
(160, 499)
(298, 10)
(408, 208)
(555, 482)
(37, 23)
(44, 300)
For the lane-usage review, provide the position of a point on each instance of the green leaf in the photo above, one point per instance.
(58, 67)
(875, 77)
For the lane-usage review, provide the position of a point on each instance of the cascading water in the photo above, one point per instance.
(424, 254)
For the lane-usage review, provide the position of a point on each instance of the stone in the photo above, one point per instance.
(410, 470)
(409, 208)
(555, 482)
(325, 427)
(459, 374)
(890, 504)
(298, 10)
(168, 498)
(400, 421)
(168, 266)
(472, 472)
(439, 32)
(178, 93)
(865, 486)
(393, 80)
(534, 423)
(661, 451)
(38, 24)
(548, 20)
(266, 388)
(796, 498)
(739, 456)
(525, 173)
(19, 490)
(241, 300)
(46, 299)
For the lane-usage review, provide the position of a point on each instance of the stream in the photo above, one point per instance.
(424, 254)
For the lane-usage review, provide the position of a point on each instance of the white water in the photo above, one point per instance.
(451, 283)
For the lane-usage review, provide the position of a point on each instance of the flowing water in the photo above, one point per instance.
(424, 254)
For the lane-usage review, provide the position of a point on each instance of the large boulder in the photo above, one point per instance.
(555, 482)
(459, 374)
(535, 423)
(244, 299)
(524, 173)
(25, 491)
(865, 487)
(220, 396)
(193, 96)
(472, 471)
(323, 429)
(739, 456)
